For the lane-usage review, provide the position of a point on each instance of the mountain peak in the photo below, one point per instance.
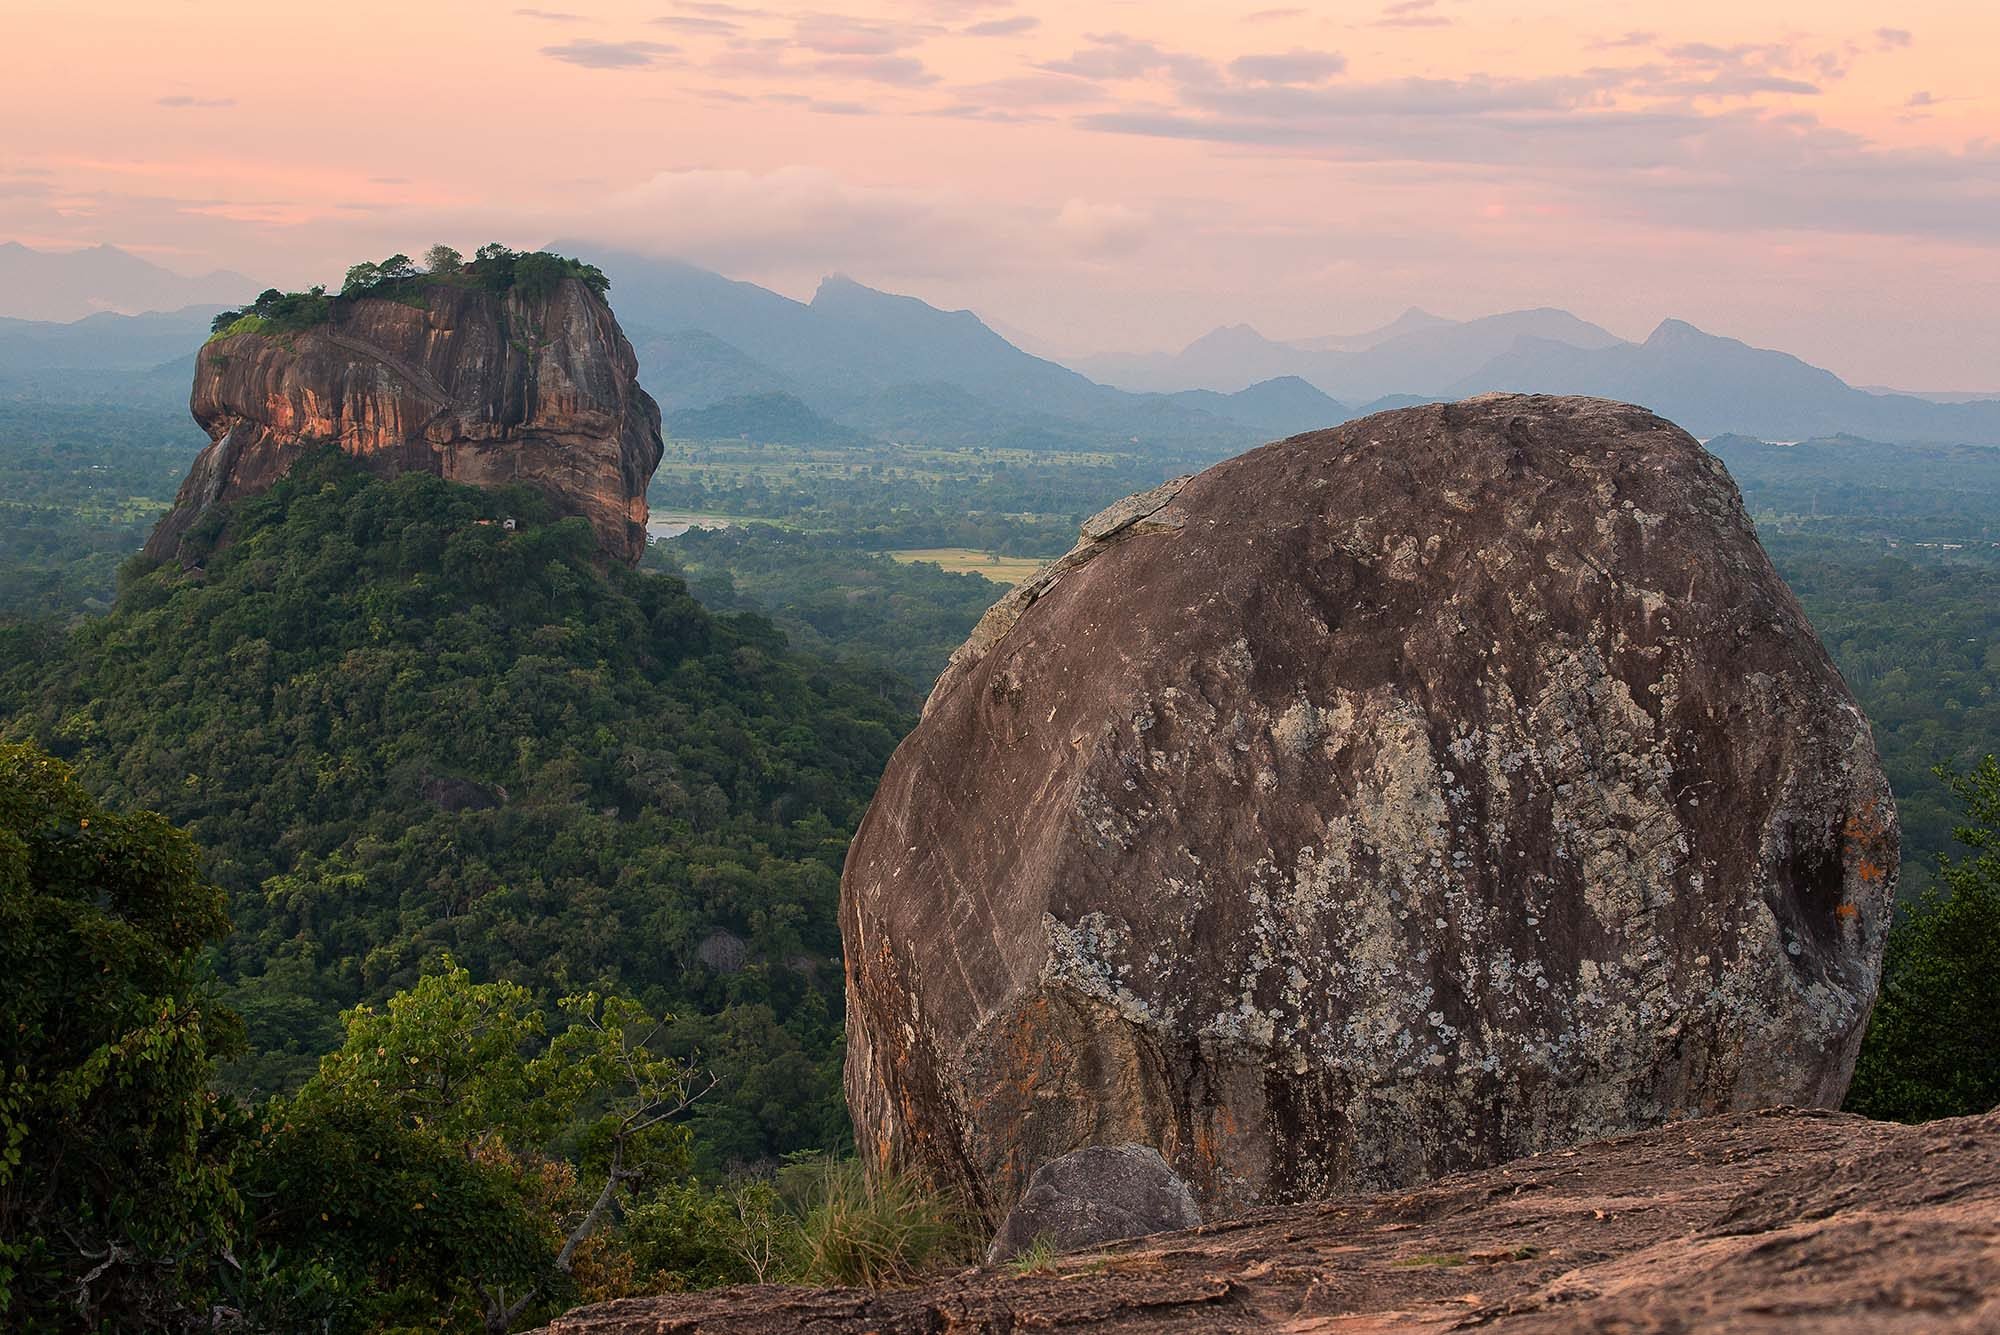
(1671, 331)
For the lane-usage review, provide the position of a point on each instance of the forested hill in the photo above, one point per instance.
(401, 728)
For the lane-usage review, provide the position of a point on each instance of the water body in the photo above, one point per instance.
(662, 525)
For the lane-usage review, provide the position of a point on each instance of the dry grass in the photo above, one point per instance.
(883, 1234)
(1008, 570)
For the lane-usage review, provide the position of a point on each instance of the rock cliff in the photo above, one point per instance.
(1385, 802)
(1774, 1223)
(473, 386)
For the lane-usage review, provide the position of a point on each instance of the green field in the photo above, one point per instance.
(1008, 570)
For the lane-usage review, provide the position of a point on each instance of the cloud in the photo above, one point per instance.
(801, 220)
(797, 223)
(837, 34)
(821, 105)
(1413, 14)
(1888, 39)
(1101, 230)
(1292, 67)
(596, 55)
(1628, 141)
(1032, 90)
(1118, 55)
(1272, 15)
(899, 71)
(1013, 27)
(1921, 99)
(549, 16)
(180, 100)
(699, 23)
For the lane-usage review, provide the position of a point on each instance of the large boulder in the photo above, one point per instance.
(1387, 801)
(479, 387)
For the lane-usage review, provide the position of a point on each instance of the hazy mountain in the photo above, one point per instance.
(1418, 353)
(143, 360)
(1429, 361)
(1283, 406)
(102, 342)
(895, 368)
(1236, 356)
(68, 285)
(1712, 385)
(1411, 321)
(887, 364)
(767, 419)
(692, 368)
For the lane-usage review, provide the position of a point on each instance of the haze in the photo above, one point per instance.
(1091, 176)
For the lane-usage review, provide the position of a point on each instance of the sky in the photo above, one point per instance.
(1096, 175)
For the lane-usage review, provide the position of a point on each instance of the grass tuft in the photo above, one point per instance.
(882, 1234)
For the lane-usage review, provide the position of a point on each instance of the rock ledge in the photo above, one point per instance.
(1805, 1223)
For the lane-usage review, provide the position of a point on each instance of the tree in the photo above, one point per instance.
(360, 279)
(1933, 1045)
(396, 268)
(115, 1193)
(442, 259)
(421, 1162)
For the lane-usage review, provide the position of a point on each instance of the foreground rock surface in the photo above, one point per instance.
(479, 388)
(1388, 801)
(1780, 1221)
(1092, 1196)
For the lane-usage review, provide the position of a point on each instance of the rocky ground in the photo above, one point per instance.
(1783, 1220)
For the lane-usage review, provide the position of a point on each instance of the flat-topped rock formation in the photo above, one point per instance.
(1386, 802)
(475, 386)
(1772, 1223)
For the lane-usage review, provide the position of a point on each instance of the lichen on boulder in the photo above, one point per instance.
(1388, 801)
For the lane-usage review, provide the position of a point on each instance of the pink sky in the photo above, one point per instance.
(1103, 174)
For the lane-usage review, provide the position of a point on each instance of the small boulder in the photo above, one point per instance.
(1096, 1195)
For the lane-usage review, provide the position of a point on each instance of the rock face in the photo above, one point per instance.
(472, 386)
(1385, 802)
(1096, 1195)
(1774, 1223)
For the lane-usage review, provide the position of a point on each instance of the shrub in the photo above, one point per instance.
(1933, 1045)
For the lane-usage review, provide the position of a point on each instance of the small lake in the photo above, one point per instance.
(664, 524)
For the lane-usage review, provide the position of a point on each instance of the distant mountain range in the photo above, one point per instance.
(70, 284)
(729, 359)
(1416, 354)
(891, 366)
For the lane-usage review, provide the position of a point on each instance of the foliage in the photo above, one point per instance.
(1037, 1258)
(535, 274)
(817, 1220)
(114, 1152)
(1933, 1045)
(82, 484)
(830, 598)
(1916, 634)
(875, 1234)
(276, 312)
(417, 1169)
(399, 732)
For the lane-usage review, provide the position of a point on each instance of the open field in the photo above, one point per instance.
(1008, 570)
